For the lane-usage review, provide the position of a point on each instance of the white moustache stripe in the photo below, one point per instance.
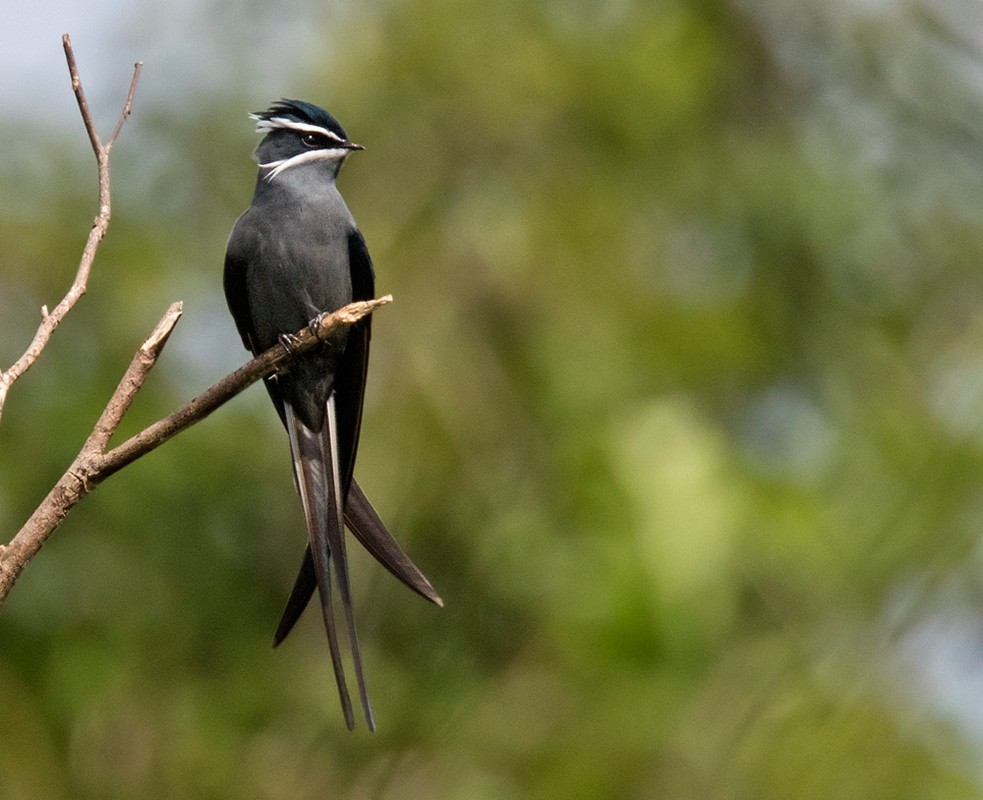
(276, 167)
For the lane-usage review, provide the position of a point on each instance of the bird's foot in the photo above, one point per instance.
(314, 326)
(290, 342)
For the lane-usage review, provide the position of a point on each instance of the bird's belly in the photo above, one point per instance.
(284, 297)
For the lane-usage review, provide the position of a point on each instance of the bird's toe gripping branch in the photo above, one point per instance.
(291, 342)
(315, 325)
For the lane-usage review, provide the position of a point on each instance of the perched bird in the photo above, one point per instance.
(294, 254)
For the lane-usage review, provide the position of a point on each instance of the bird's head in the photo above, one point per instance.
(299, 133)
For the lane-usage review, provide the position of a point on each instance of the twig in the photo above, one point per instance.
(94, 463)
(51, 319)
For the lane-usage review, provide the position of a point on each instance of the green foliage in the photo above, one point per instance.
(678, 406)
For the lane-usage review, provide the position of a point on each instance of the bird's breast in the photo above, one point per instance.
(301, 270)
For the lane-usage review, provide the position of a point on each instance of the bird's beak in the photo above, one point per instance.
(353, 146)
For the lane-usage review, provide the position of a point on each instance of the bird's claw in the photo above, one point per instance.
(314, 326)
(290, 342)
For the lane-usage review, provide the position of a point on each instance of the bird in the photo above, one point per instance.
(294, 254)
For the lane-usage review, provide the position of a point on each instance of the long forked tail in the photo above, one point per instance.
(315, 457)
(370, 530)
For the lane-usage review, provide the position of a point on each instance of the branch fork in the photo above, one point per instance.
(51, 320)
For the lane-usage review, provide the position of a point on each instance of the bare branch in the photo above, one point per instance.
(127, 106)
(73, 72)
(266, 363)
(133, 379)
(94, 464)
(51, 320)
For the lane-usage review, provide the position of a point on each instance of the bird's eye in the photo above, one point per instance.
(311, 140)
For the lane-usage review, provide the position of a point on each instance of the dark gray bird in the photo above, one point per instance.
(296, 253)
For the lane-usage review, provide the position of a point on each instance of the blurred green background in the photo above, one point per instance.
(680, 407)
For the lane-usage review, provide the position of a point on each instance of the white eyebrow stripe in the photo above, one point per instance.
(274, 123)
(276, 167)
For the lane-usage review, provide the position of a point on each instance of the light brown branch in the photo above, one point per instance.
(51, 320)
(94, 463)
(127, 106)
(266, 363)
(73, 72)
(131, 382)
